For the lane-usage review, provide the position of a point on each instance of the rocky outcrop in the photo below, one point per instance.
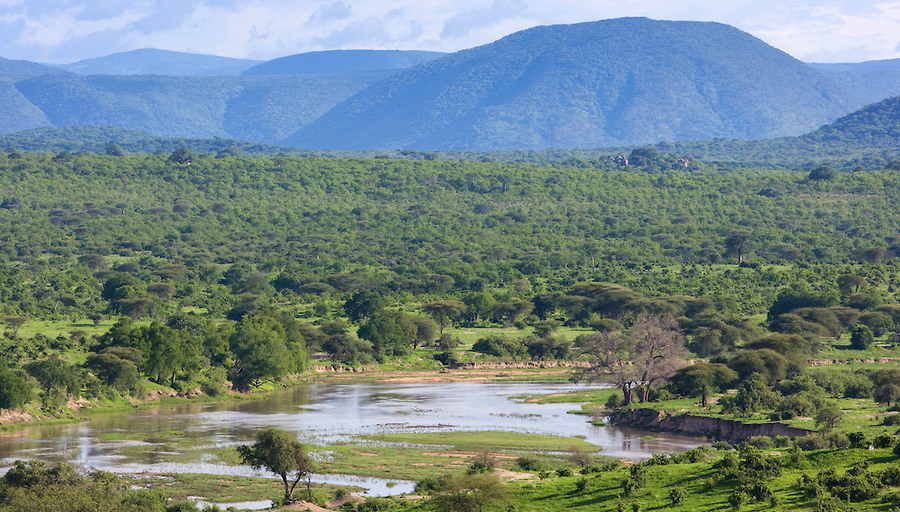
(519, 365)
(337, 368)
(720, 429)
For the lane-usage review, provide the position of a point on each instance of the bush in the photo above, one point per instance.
(581, 484)
(529, 463)
(861, 337)
(761, 442)
(883, 441)
(564, 472)
(447, 358)
(676, 495)
(614, 401)
(737, 499)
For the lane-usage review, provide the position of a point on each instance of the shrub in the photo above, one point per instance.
(529, 463)
(883, 441)
(564, 472)
(484, 463)
(581, 484)
(447, 358)
(614, 401)
(737, 499)
(676, 495)
(861, 337)
(761, 442)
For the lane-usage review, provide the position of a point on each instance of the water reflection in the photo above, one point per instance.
(325, 414)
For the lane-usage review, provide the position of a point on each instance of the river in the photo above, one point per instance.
(326, 413)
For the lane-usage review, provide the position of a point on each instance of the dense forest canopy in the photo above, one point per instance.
(427, 228)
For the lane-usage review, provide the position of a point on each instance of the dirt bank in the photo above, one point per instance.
(730, 431)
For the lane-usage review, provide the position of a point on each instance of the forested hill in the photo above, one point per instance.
(150, 61)
(254, 108)
(24, 68)
(600, 84)
(342, 61)
(875, 126)
(870, 81)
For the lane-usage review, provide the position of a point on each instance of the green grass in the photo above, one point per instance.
(227, 489)
(491, 441)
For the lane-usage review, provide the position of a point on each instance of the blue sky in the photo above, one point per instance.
(62, 31)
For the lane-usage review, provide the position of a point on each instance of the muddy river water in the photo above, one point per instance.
(326, 413)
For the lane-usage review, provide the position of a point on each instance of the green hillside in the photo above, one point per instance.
(342, 61)
(606, 83)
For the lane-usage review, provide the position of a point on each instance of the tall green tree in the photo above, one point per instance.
(278, 452)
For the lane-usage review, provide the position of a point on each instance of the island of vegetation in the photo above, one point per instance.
(756, 307)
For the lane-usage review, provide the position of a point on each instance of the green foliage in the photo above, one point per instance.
(276, 451)
(861, 337)
(463, 493)
(15, 391)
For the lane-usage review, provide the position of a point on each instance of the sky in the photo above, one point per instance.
(64, 31)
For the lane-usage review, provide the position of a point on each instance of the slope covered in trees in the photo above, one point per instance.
(606, 83)
(263, 109)
(869, 81)
(342, 61)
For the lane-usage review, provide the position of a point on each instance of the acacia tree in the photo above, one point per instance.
(468, 493)
(648, 353)
(444, 311)
(737, 242)
(701, 379)
(279, 453)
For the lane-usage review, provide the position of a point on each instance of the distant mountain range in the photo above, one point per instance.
(609, 83)
(150, 61)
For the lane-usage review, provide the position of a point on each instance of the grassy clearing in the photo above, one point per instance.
(698, 486)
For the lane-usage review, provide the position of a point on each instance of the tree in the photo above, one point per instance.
(861, 337)
(444, 311)
(823, 172)
(15, 391)
(468, 493)
(390, 332)
(113, 149)
(260, 350)
(184, 156)
(648, 353)
(737, 242)
(362, 305)
(828, 415)
(702, 379)
(15, 322)
(850, 283)
(276, 451)
(53, 372)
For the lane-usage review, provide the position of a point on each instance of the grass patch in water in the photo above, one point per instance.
(494, 441)
(226, 489)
